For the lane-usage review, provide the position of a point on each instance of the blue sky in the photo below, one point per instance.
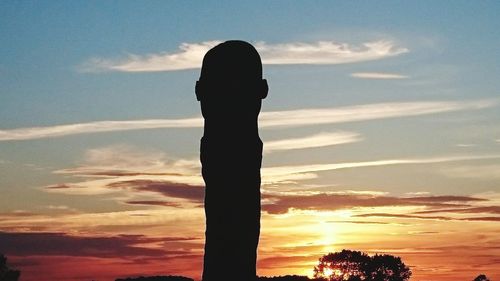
(392, 98)
(450, 56)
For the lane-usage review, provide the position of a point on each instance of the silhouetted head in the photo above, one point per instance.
(231, 81)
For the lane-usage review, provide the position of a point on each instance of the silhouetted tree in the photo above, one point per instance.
(350, 265)
(7, 274)
(341, 266)
(387, 268)
(481, 277)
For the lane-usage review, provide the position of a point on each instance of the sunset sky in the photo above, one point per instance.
(381, 134)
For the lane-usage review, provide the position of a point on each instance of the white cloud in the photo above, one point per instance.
(128, 161)
(312, 168)
(418, 193)
(326, 52)
(466, 145)
(104, 167)
(96, 127)
(378, 75)
(317, 140)
(190, 55)
(286, 118)
(101, 167)
(365, 112)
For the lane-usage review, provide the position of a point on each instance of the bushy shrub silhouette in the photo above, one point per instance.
(7, 274)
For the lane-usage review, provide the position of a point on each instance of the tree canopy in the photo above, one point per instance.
(350, 265)
(481, 277)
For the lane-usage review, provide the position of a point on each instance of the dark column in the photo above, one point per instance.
(230, 90)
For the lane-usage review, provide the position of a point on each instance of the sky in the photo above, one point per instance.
(380, 134)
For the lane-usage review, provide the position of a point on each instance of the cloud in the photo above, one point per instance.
(58, 186)
(466, 145)
(169, 189)
(272, 119)
(319, 116)
(60, 256)
(418, 193)
(190, 56)
(378, 75)
(96, 268)
(17, 213)
(317, 140)
(96, 127)
(280, 203)
(290, 262)
(473, 210)
(482, 219)
(389, 215)
(311, 168)
(129, 171)
(403, 216)
(61, 244)
(128, 161)
(154, 203)
(132, 221)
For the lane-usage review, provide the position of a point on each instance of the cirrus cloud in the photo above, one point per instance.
(317, 140)
(378, 75)
(190, 55)
(270, 119)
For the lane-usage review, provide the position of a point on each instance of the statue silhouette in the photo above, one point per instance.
(230, 90)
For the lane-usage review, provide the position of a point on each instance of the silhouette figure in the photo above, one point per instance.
(230, 90)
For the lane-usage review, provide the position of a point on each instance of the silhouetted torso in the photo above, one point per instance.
(230, 90)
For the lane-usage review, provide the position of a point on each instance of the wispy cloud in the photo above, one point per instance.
(312, 168)
(390, 215)
(126, 169)
(287, 118)
(418, 193)
(466, 145)
(327, 52)
(96, 127)
(154, 203)
(317, 140)
(47, 243)
(142, 188)
(184, 181)
(190, 55)
(406, 216)
(473, 210)
(325, 201)
(173, 190)
(378, 75)
(366, 112)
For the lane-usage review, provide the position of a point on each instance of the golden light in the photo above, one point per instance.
(328, 272)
